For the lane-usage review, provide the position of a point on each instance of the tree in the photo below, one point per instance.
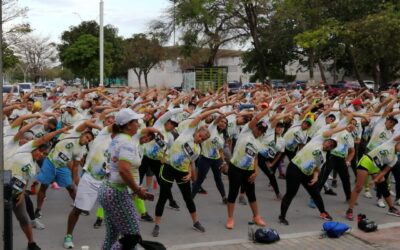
(203, 24)
(82, 57)
(11, 12)
(114, 48)
(142, 53)
(37, 53)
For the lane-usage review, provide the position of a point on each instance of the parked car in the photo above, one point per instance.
(234, 87)
(40, 89)
(278, 83)
(11, 89)
(335, 88)
(352, 85)
(370, 84)
(25, 87)
(298, 85)
(249, 85)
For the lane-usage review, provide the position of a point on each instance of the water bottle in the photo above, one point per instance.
(251, 230)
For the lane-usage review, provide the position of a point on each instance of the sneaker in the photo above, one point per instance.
(242, 200)
(98, 223)
(326, 216)
(283, 221)
(174, 205)
(37, 224)
(349, 214)
(202, 191)
(394, 211)
(224, 200)
(380, 203)
(85, 213)
(334, 183)
(156, 231)
(259, 221)
(33, 246)
(397, 202)
(368, 195)
(230, 223)
(38, 214)
(330, 192)
(68, 244)
(311, 204)
(198, 227)
(55, 186)
(146, 217)
(392, 193)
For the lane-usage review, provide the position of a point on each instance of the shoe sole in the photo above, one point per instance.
(174, 208)
(393, 214)
(69, 247)
(198, 230)
(380, 206)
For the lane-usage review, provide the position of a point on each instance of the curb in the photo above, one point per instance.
(283, 237)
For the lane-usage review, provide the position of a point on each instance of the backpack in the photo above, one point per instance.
(365, 224)
(266, 235)
(335, 229)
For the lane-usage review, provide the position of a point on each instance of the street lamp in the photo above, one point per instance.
(101, 83)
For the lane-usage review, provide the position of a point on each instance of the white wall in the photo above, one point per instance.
(169, 74)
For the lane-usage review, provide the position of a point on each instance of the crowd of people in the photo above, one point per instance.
(109, 146)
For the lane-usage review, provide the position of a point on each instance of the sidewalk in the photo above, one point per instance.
(388, 237)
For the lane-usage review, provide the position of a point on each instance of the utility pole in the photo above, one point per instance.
(174, 21)
(101, 83)
(1, 133)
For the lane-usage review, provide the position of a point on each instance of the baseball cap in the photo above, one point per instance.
(309, 121)
(70, 105)
(174, 120)
(126, 115)
(262, 126)
(356, 102)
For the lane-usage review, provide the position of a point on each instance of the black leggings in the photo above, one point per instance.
(203, 165)
(269, 172)
(155, 166)
(237, 178)
(339, 164)
(396, 175)
(29, 207)
(168, 175)
(294, 177)
(382, 188)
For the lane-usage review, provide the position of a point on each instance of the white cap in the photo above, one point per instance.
(70, 105)
(126, 115)
(174, 119)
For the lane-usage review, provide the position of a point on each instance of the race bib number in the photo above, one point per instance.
(160, 142)
(188, 150)
(63, 157)
(250, 150)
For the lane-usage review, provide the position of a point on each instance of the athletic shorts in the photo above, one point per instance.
(49, 174)
(366, 163)
(87, 192)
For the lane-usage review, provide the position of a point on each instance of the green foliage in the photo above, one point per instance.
(82, 57)
(113, 49)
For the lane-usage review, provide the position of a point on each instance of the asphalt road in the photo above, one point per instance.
(176, 225)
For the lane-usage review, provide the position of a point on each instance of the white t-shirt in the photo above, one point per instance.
(66, 150)
(311, 156)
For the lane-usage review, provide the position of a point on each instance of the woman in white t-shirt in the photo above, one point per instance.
(23, 167)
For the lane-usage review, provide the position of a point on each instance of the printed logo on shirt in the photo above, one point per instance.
(215, 141)
(69, 145)
(26, 168)
(319, 159)
(382, 135)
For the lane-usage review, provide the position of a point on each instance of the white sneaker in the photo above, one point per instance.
(368, 195)
(381, 203)
(397, 202)
(392, 193)
(37, 224)
(68, 243)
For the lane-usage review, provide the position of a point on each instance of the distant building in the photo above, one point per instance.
(169, 73)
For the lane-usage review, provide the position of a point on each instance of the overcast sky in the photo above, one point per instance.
(52, 17)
